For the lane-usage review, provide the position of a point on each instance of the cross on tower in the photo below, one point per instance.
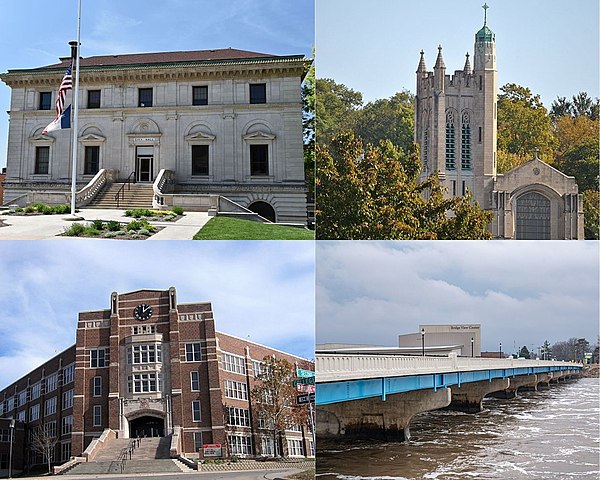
(485, 7)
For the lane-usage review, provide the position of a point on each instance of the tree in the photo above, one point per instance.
(546, 350)
(274, 398)
(523, 123)
(308, 126)
(337, 108)
(591, 214)
(582, 161)
(376, 194)
(43, 441)
(524, 352)
(561, 107)
(388, 119)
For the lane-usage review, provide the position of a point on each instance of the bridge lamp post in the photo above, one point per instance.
(472, 346)
(500, 349)
(423, 342)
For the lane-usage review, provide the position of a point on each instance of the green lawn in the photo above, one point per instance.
(222, 228)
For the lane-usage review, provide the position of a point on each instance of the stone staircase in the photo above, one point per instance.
(152, 456)
(137, 195)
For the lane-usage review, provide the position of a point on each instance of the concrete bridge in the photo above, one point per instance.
(376, 396)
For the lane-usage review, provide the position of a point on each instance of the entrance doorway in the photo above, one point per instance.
(144, 164)
(147, 426)
(263, 209)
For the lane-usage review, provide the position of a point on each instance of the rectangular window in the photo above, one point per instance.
(450, 147)
(199, 160)
(464, 188)
(67, 424)
(195, 381)
(98, 358)
(480, 82)
(144, 382)
(265, 422)
(97, 415)
(93, 98)
(10, 404)
(266, 446)
(50, 429)
(34, 412)
(68, 374)
(144, 97)
(92, 160)
(51, 382)
(35, 391)
(233, 363)
(97, 386)
(193, 352)
(50, 406)
(238, 417)
(197, 441)
(465, 147)
(196, 413)
(454, 188)
(139, 354)
(4, 459)
(259, 368)
(1, 408)
(200, 95)
(67, 399)
(21, 416)
(295, 448)
(143, 329)
(42, 160)
(66, 451)
(22, 398)
(4, 435)
(240, 444)
(45, 100)
(259, 160)
(236, 390)
(258, 93)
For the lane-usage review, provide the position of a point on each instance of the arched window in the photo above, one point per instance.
(465, 146)
(450, 141)
(533, 217)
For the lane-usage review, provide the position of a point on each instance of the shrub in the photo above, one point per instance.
(138, 212)
(110, 234)
(98, 224)
(38, 206)
(29, 209)
(113, 226)
(18, 210)
(92, 232)
(74, 230)
(144, 231)
(62, 209)
(177, 210)
(135, 225)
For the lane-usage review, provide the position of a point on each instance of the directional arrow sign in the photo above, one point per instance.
(306, 398)
(304, 381)
(304, 373)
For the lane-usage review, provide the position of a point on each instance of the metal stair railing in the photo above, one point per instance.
(121, 191)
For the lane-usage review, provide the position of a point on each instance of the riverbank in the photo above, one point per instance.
(591, 371)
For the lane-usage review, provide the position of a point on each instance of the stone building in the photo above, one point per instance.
(149, 366)
(456, 128)
(206, 130)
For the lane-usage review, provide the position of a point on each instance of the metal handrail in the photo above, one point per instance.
(121, 191)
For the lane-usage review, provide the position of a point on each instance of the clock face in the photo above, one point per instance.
(142, 311)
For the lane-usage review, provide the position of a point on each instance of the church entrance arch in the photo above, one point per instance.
(147, 426)
(263, 209)
(533, 217)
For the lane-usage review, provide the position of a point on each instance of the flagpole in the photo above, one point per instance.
(75, 113)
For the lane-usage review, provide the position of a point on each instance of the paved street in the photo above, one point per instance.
(46, 227)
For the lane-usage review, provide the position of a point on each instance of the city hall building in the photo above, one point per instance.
(209, 129)
(148, 366)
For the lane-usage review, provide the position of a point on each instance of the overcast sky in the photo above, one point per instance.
(522, 293)
(37, 32)
(550, 46)
(263, 291)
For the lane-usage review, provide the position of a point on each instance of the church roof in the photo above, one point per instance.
(485, 35)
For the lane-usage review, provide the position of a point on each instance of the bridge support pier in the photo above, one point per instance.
(516, 383)
(388, 419)
(469, 396)
(543, 380)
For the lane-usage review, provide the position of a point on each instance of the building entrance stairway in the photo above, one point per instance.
(134, 195)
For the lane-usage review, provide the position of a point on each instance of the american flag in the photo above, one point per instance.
(66, 84)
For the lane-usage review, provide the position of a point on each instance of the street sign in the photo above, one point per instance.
(305, 388)
(306, 398)
(304, 373)
(212, 449)
(304, 381)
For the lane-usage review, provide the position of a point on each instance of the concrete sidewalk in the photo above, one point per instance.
(48, 227)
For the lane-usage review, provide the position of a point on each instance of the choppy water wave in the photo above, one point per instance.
(551, 434)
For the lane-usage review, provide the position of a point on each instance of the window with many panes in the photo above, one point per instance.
(98, 358)
(193, 352)
(144, 97)
(195, 381)
(91, 164)
(67, 424)
(196, 412)
(235, 389)
(45, 101)
(259, 368)
(35, 390)
(258, 93)
(21, 416)
(234, 363)
(22, 398)
(67, 399)
(144, 382)
(200, 95)
(97, 386)
(450, 141)
(93, 99)
(97, 415)
(240, 444)
(51, 382)
(238, 417)
(50, 429)
(51, 406)
(10, 404)
(197, 441)
(65, 451)
(259, 160)
(200, 160)
(4, 435)
(295, 448)
(34, 412)
(266, 446)
(68, 374)
(42, 160)
(465, 145)
(143, 329)
(138, 354)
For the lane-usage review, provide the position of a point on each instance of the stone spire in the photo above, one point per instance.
(439, 63)
(468, 70)
(422, 68)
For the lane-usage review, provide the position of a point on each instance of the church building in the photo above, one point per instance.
(148, 366)
(456, 128)
(206, 130)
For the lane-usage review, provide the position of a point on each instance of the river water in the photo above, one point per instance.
(549, 434)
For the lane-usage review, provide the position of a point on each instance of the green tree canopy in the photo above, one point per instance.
(524, 352)
(376, 194)
(591, 214)
(308, 126)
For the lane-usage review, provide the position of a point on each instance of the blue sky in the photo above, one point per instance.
(522, 293)
(263, 291)
(550, 46)
(36, 33)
